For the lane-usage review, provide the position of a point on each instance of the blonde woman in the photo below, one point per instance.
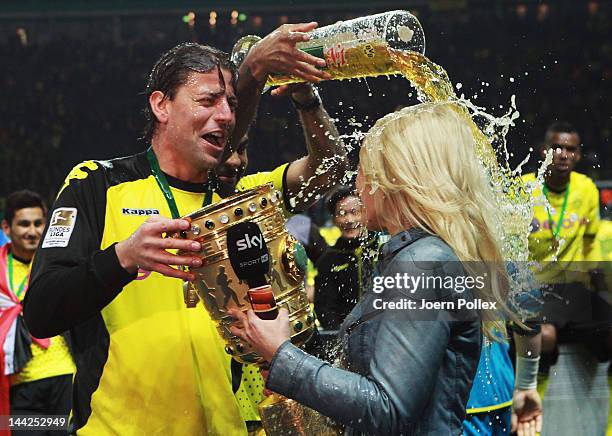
(410, 352)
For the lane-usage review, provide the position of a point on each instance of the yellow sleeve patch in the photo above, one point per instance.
(78, 172)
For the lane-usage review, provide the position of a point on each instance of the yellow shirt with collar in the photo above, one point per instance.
(580, 220)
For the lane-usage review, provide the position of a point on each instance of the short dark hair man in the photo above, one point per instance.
(145, 363)
(38, 371)
(342, 269)
(570, 229)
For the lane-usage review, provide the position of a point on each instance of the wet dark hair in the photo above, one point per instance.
(20, 200)
(559, 127)
(340, 193)
(172, 69)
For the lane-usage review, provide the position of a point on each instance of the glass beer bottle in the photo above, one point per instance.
(354, 48)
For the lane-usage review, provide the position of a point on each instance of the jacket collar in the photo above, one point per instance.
(400, 241)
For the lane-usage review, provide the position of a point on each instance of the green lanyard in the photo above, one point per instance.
(162, 182)
(555, 232)
(10, 272)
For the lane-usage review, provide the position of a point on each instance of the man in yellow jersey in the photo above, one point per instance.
(560, 237)
(145, 363)
(37, 372)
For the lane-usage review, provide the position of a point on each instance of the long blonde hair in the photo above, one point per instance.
(423, 159)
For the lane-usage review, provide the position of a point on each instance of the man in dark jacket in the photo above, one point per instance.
(343, 268)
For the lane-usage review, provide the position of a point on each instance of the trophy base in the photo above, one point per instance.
(286, 417)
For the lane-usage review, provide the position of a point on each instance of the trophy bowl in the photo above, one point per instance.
(219, 287)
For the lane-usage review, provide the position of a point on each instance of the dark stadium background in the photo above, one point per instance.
(72, 74)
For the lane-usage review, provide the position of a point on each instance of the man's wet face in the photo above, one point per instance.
(566, 152)
(348, 216)
(233, 168)
(201, 117)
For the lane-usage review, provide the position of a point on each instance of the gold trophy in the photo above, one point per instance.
(227, 280)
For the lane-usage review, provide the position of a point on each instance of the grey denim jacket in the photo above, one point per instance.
(409, 372)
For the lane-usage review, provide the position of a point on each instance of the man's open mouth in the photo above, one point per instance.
(215, 138)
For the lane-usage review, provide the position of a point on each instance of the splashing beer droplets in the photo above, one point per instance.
(432, 83)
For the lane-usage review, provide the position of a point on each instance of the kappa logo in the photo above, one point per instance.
(61, 225)
(140, 212)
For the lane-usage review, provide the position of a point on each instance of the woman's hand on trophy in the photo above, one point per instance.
(265, 336)
(277, 53)
(146, 249)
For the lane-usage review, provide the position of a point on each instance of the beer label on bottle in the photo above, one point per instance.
(368, 50)
(335, 55)
(316, 51)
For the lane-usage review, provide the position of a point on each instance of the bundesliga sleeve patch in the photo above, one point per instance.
(60, 228)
